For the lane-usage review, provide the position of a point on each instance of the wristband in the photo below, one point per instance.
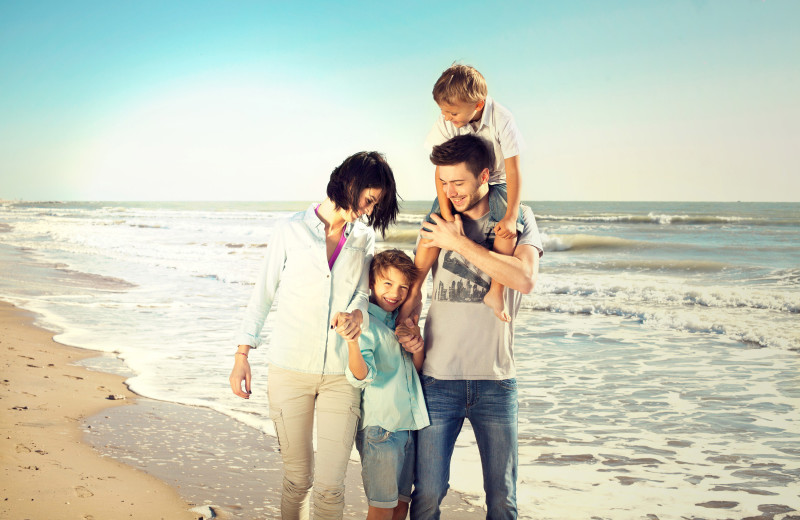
(242, 353)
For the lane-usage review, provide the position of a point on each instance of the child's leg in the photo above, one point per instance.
(379, 513)
(499, 209)
(445, 207)
(400, 511)
(494, 297)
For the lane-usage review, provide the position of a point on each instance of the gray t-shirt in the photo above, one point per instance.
(463, 337)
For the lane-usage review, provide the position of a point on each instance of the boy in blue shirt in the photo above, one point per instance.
(392, 407)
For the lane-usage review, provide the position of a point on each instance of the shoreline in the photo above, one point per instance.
(70, 452)
(47, 470)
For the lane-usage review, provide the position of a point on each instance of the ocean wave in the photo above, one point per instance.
(399, 236)
(689, 266)
(749, 330)
(410, 218)
(582, 242)
(669, 219)
(670, 294)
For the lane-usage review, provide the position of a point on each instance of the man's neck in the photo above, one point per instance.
(480, 209)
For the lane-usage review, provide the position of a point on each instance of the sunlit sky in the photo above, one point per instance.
(241, 100)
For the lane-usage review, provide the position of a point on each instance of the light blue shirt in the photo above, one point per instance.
(307, 293)
(392, 394)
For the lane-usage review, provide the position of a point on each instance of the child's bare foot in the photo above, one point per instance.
(494, 299)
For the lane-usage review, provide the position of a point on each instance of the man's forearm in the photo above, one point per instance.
(511, 271)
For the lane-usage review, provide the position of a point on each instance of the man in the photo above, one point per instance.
(469, 367)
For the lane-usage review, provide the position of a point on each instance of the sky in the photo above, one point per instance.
(243, 100)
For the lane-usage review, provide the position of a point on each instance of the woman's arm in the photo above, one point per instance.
(264, 291)
(257, 309)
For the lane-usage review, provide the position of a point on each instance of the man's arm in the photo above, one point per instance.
(518, 272)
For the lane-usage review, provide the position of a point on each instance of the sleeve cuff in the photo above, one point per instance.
(247, 339)
(360, 383)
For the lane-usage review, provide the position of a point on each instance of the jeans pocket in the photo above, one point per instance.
(351, 427)
(280, 428)
(508, 384)
(426, 380)
(377, 435)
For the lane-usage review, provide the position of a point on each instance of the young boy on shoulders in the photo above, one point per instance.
(466, 108)
(392, 406)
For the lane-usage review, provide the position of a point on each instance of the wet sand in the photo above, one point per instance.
(70, 452)
(47, 471)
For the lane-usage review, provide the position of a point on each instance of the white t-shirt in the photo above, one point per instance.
(496, 125)
(463, 337)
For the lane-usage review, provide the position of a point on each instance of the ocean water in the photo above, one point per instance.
(658, 357)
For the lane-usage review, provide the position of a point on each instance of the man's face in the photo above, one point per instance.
(462, 187)
(390, 289)
(461, 113)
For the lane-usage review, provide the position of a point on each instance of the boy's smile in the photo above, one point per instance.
(461, 113)
(390, 289)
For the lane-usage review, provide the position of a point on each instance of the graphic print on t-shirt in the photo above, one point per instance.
(459, 280)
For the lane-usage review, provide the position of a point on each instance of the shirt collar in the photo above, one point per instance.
(387, 318)
(312, 220)
(488, 108)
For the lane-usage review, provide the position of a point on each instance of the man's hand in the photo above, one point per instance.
(506, 228)
(444, 235)
(409, 335)
(348, 324)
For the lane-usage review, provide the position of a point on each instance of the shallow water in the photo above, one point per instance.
(657, 358)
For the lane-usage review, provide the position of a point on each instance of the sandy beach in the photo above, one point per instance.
(70, 452)
(47, 471)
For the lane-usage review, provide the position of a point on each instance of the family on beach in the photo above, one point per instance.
(345, 340)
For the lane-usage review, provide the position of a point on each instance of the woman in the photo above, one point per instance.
(320, 260)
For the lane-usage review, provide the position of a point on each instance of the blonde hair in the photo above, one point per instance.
(460, 84)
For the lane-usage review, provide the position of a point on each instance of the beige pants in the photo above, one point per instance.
(293, 396)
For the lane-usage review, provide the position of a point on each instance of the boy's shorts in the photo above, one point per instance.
(387, 465)
(498, 205)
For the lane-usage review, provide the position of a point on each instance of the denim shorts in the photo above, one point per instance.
(498, 204)
(387, 465)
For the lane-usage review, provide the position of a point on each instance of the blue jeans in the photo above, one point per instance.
(491, 407)
(387, 465)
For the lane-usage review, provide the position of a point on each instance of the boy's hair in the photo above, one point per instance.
(357, 173)
(469, 149)
(382, 261)
(460, 84)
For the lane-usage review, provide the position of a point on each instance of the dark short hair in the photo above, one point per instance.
(469, 149)
(359, 172)
(382, 261)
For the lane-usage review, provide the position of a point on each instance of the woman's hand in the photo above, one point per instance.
(348, 324)
(241, 372)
